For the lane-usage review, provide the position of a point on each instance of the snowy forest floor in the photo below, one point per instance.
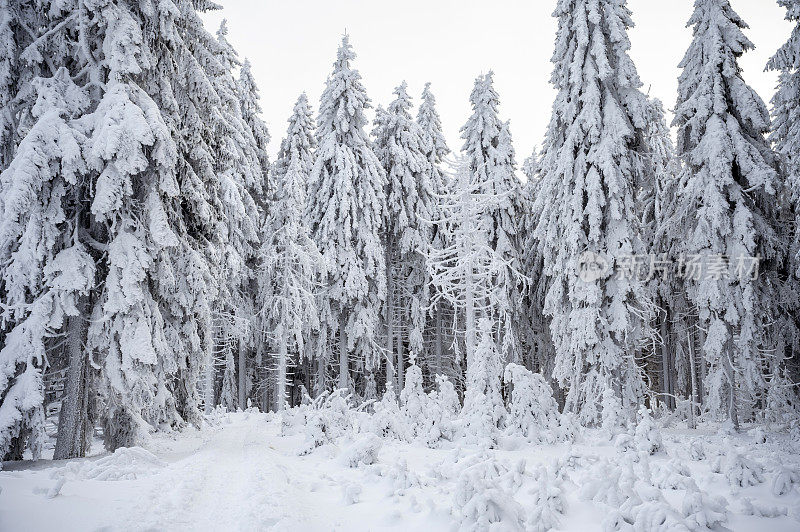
(239, 473)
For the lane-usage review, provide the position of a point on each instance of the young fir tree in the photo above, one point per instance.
(347, 211)
(731, 190)
(483, 401)
(400, 145)
(440, 331)
(290, 257)
(585, 205)
(489, 154)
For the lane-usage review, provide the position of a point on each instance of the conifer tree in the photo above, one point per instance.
(489, 154)
(400, 145)
(290, 257)
(785, 137)
(348, 205)
(440, 331)
(585, 205)
(251, 110)
(730, 190)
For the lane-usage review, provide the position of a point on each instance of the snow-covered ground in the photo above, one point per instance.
(240, 473)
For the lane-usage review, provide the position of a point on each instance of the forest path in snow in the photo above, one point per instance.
(239, 473)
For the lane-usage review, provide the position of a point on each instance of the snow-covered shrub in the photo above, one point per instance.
(548, 502)
(483, 403)
(758, 435)
(784, 479)
(218, 416)
(351, 493)
(126, 463)
(655, 516)
(613, 416)
(363, 451)
(672, 475)
(481, 499)
(328, 417)
(697, 450)
(569, 428)
(702, 511)
(603, 483)
(748, 507)
(532, 411)
(647, 437)
(443, 410)
(740, 471)
(401, 475)
(624, 443)
(388, 420)
(416, 409)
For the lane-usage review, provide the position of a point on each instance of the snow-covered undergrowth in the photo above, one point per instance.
(397, 465)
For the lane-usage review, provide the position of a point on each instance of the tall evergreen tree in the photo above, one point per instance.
(348, 205)
(585, 205)
(489, 154)
(400, 145)
(731, 188)
(290, 257)
(440, 330)
(251, 112)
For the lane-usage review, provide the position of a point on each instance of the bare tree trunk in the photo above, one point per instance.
(390, 333)
(731, 374)
(666, 363)
(438, 341)
(209, 376)
(242, 376)
(73, 421)
(400, 361)
(319, 381)
(280, 396)
(693, 374)
(344, 367)
(470, 336)
(701, 377)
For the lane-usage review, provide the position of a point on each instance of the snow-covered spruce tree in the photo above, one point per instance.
(439, 334)
(32, 214)
(730, 190)
(400, 145)
(786, 109)
(290, 260)
(585, 205)
(786, 139)
(46, 268)
(239, 171)
(663, 226)
(489, 155)
(347, 209)
(251, 111)
(536, 345)
(153, 221)
(144, 326)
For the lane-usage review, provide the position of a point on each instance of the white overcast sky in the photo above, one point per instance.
(292, 45)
